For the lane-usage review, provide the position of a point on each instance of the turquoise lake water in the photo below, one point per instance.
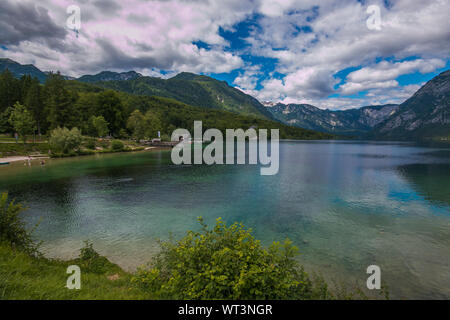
(345, 204)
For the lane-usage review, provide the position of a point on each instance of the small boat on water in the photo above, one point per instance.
(3, 163)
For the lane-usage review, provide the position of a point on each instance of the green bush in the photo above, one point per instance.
(104, 143)
(91, 261)
(227, 263)
(12, 228)
(90, 143)
(117, 145)
(65, 140)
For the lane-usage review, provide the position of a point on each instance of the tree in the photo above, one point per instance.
(136, 125)
(34, 102)
(5, 125)
(60, 102)
(65, 140)
(24, 84)
(9, 90)
(110, 107)
(100, 125)
(86, 107)
(227, 263)
(152, 124)
(22, 121)
(144, 126)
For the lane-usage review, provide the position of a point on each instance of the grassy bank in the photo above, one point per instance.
(89, 146)
(25, 277)
(20, 149)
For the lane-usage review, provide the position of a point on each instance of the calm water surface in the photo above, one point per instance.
(345, 204)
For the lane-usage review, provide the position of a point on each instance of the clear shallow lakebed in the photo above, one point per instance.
(345, 204)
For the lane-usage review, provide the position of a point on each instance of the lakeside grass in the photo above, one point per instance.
(10, 148)
(23, 277)
(19, 149)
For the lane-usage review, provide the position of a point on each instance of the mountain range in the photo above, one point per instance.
(109, 76)
(18, 70)
(425, 115)
(347, 122)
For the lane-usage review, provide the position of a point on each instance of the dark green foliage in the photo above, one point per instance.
(110, 106)
(174, 114)
(34, 101)
(59, 102)
(89, 143)
(12, 228)
(5, 125)
(10, 91)
(228, 263)
(117, 145)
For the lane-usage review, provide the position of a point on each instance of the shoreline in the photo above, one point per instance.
(11, 159)
(22, 158)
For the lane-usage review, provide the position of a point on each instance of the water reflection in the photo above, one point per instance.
(423, 178)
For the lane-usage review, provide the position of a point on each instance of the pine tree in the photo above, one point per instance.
(110, 107)
(59, 102)
(9, 90)
(34, 102)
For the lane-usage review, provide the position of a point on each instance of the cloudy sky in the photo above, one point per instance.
(325, 52)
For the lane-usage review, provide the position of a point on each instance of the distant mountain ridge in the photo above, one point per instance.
(351, 122)
(425, 115)
(110, 76)
(18, 70)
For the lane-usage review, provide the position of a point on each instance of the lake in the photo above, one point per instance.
(345, 204)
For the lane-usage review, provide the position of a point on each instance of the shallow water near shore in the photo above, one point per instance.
(345, 204)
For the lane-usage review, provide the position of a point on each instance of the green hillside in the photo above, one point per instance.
(196, 90)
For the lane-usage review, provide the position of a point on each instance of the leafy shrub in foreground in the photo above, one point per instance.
(12, 228)
(91, 261)
(227, 263)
